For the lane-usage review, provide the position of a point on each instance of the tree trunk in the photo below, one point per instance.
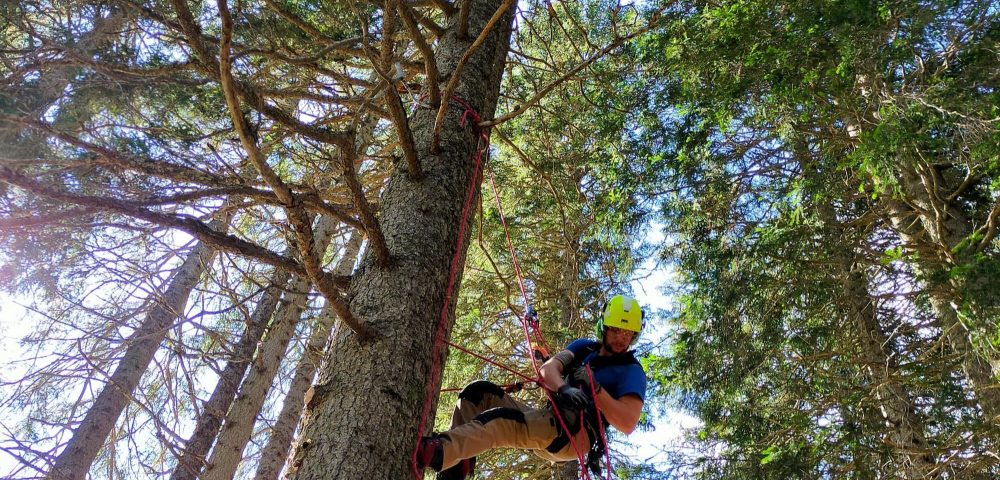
(207, 428)
(363, 417)
(242, 416)
(906, 426)
(933, 230)
(876, 355)
(273, 456)
(88, 438)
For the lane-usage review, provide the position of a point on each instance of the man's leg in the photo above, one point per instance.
(477, 397)
(505, 427)
(474, 399)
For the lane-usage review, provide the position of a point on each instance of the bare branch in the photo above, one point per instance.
(375, 236)
(463, 19)
(430, 64)
(990, 229)
(197, 229)
(11, 223)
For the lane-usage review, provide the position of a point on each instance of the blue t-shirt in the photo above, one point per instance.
(618, 374)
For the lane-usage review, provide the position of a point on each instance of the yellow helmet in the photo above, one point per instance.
(621, 312)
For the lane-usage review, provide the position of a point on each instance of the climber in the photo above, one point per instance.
(486, 417)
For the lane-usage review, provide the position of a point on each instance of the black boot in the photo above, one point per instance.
(430, 453)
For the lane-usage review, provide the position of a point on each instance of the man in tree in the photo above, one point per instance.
(593, 377)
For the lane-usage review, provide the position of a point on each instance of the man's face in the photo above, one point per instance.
(617, 340)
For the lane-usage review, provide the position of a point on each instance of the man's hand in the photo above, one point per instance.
(572, 397)
(582, 377)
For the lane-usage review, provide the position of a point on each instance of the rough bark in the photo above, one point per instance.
(242, 415)
(273, 456)
(362, 419)
(89, 437)
(192, 457)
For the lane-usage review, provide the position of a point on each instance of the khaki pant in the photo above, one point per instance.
(487, 417)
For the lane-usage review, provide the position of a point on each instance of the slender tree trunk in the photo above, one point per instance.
(877, 357)
(363, 417)
(932, 227)
(89, 437)
(242, 416)
(906, 426)
(192, 458)
(275, 452)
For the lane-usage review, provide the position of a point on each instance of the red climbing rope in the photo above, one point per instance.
(528, 321)
(528, 318)
(600, 422)
(439, 336)
(487, 360)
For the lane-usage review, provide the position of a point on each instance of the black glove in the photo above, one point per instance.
(582, 378)
(572, 397)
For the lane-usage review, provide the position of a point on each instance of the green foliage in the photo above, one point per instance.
(804, 127)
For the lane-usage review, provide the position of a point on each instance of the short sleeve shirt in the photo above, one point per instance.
(619, 378)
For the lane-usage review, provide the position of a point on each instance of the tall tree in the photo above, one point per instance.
(142, 152)
(385, 379)
(907, 183)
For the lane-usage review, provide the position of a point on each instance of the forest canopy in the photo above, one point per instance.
(241, 229)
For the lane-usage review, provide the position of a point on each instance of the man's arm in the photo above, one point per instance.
(552, 370)
(622, 413)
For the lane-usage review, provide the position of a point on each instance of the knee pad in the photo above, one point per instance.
(475, 391)
(500, 414)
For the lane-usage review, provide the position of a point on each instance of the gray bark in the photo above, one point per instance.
(242, 415)
(273, 456)
(362, 419)
(89, 437)
(192, 457)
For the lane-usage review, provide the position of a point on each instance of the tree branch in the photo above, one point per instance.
(29, 221)
(430, 64)
(372, 228)
(197, 229)
(300, 222)
(566, 76)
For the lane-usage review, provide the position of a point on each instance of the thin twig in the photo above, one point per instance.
(566, 76)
